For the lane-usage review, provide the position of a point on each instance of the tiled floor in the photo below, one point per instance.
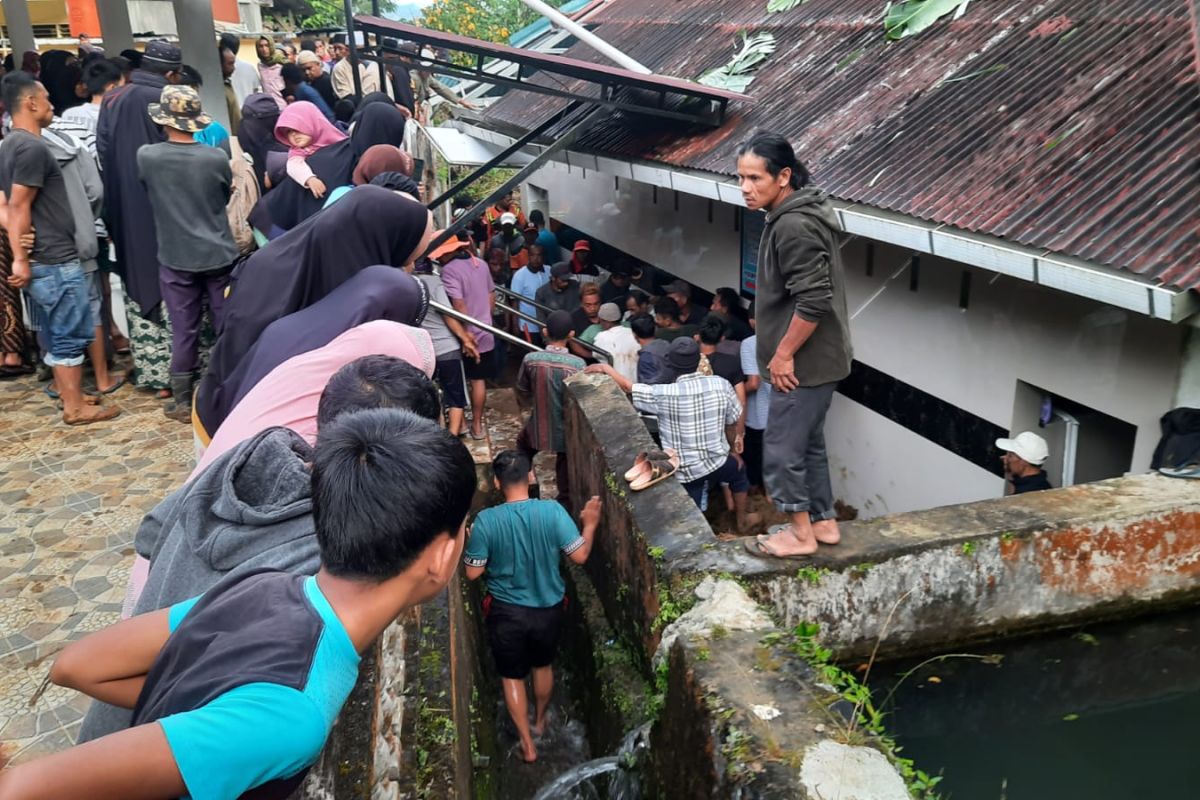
(70, 500)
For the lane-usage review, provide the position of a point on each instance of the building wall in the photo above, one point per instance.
(1117, 362)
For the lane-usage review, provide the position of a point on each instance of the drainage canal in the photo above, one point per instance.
(1104, 713)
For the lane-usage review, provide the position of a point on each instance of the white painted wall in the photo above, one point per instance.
(626, 216)
(1118, 362)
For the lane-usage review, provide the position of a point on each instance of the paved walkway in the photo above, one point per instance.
(70, 500)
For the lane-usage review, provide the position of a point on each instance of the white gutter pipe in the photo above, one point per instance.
(587, 37)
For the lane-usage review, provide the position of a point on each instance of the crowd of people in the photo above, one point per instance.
(278, 281)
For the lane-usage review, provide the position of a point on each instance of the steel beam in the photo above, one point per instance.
(501, 157)
(562, 143)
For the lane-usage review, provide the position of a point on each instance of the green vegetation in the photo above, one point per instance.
(969, 548)
(866, 715)
(811, 575)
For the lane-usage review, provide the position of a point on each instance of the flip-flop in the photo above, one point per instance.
(13, 370)
(51, 393)
(98, 391)
(755, 546)
(1187, 471)
(480, 437)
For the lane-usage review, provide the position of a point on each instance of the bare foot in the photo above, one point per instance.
(784, 543)
(526, 752)
(826, 531)
(539, 727)
(89, 414)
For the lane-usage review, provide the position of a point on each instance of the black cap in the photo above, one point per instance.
(164, 53)
(339, 38)
(683, 356)
(559, 325)
(562, 270)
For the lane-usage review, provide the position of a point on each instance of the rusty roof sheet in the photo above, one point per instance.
(1069, 125)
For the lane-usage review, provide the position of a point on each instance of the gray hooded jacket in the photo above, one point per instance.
(800, 275)
(85, 191)
(250, 509)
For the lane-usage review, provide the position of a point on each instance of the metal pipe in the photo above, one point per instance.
(522, 298)
(352, 42)
(587, 37)
(597, 350)
(461, 317)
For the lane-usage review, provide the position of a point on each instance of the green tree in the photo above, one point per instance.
(490, 20)
(322, 13)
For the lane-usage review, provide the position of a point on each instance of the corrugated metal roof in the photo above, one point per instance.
(1070, 125)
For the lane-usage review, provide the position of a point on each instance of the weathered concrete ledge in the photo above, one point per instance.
(946, 576)
(907, 582)
(744, 718)
(638, 530)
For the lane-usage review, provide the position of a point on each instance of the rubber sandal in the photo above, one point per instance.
(51, 393)
(660, 470)
(755, 546)
(98, 391)
(638, 464)
(1188, 471)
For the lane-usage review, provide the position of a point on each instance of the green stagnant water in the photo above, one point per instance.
(1099, 713)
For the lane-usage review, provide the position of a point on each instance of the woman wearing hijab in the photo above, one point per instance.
(256, 133)
(381, 160)
(370, 226)
(60, 74)
(377, 292)
(289, 204)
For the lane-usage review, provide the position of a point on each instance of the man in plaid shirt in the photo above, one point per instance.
(698, 418)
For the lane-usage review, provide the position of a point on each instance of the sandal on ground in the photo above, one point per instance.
(659, 470)
(88, 399)
(106, 413)
(98, 391)
(644, 457)
(758, 547)
(51, 392)
(1187, 471)
(15, 370)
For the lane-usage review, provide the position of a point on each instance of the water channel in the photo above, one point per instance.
(1099, 713)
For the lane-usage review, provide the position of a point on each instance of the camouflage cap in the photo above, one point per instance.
(179, 107)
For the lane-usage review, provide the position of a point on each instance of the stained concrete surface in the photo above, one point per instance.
(70, 500)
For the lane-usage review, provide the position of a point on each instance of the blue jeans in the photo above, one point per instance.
(60, 292)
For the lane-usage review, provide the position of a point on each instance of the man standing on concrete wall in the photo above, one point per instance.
(803, 340)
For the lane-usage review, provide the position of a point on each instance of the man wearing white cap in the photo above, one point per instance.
(510, 241)
(1023, 458)
(618, 341)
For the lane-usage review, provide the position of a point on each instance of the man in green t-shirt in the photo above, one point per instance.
(517, 546)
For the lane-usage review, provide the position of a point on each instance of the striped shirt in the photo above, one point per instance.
(541, 377)
(692, 415)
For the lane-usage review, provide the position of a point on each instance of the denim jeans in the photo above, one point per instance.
(60, 291)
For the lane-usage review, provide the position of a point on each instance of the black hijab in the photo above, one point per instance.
(377, 292)
(256, 133)
(370, 225)
(60, 74)
(289, 203)
(370, 100)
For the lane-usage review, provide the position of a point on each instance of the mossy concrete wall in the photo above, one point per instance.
(604, 436)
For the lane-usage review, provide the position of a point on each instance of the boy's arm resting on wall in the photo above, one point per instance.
(134, 764)
(111, 665)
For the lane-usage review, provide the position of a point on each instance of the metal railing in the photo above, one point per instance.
(520, 298)
(461, 317)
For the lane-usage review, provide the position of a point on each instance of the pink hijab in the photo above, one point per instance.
(304, 117)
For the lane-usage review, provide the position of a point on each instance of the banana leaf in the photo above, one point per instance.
(735, 76)
(910, 17)
(775, 6)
